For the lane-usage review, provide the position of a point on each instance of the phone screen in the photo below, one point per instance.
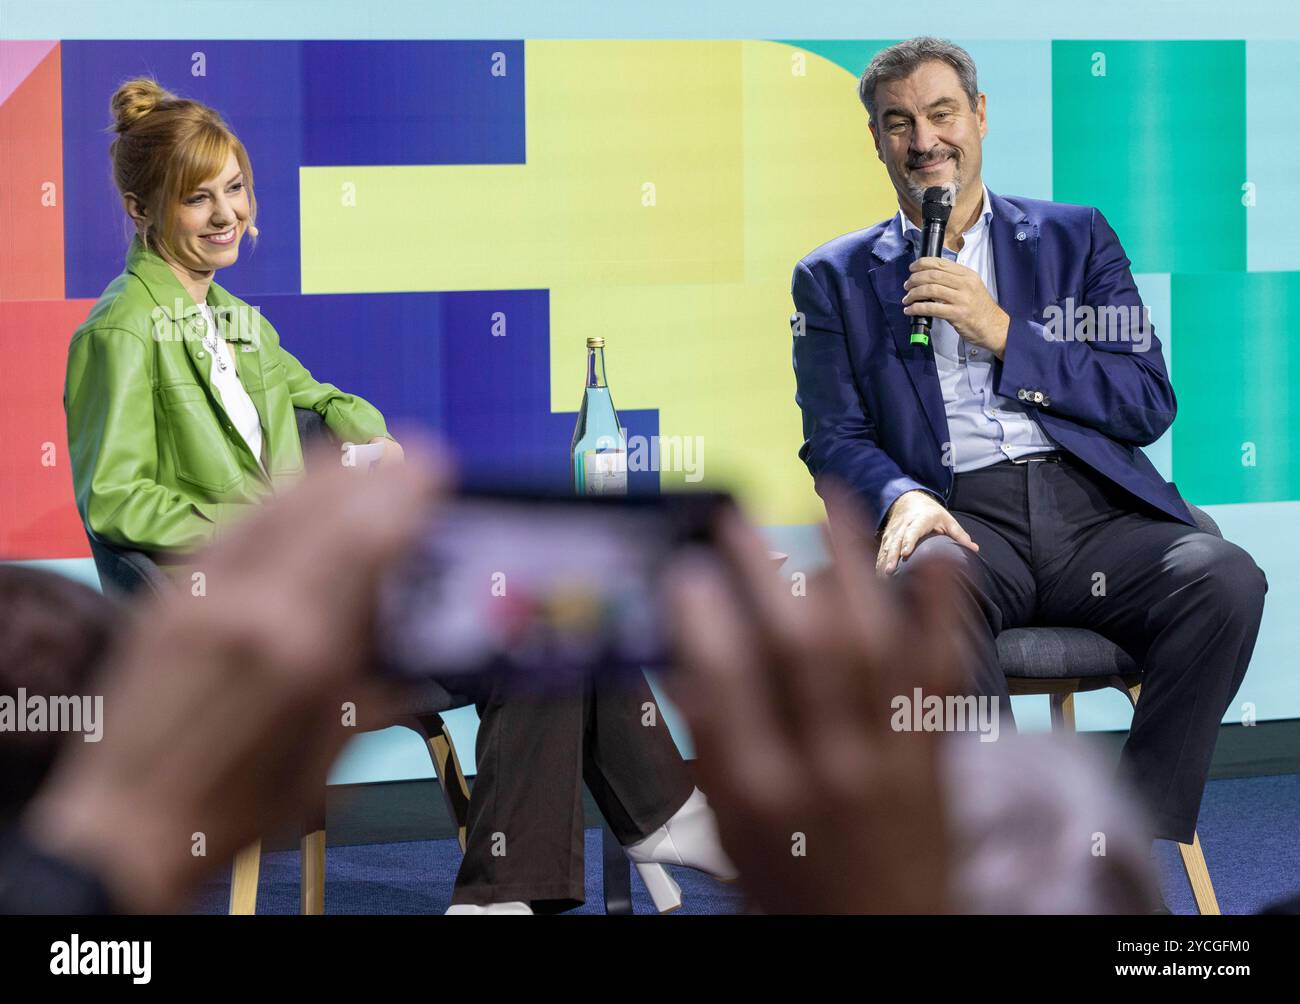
(546, 589)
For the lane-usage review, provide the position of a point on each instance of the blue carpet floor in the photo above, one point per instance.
(1248, 830)
(1250, 834)
(417, 877)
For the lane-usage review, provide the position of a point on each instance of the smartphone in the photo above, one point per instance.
(543, 589)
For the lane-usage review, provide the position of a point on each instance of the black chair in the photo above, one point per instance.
(1061, 662)
(122, 571)
(125, 572)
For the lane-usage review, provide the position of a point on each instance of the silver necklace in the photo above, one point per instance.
(210, 342)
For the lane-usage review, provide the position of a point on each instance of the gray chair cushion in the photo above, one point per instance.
(124, 572)
(1054, 653)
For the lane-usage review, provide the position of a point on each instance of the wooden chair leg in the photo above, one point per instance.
(1207, 904)
(446, 764)
(1062, 712)
(243, 880)
(311, 887)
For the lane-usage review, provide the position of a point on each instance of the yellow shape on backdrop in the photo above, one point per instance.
(670, 188)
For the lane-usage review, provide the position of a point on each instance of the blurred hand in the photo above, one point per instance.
(223, 712)
(913, 517)
(821, 804)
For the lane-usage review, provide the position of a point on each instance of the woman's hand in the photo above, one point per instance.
(393, 452)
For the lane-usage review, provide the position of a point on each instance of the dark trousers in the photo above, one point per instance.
(524, 840)
(1061, 545)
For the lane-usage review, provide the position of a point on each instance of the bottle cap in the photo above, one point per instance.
(596, 343)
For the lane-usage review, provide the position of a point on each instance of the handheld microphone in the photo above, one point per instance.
(935, 210)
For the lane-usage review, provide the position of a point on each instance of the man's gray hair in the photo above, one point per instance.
(899, 60)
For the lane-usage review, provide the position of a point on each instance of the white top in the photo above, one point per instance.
(239, 406)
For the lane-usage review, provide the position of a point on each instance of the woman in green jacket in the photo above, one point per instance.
(179, 396)
(180, 406)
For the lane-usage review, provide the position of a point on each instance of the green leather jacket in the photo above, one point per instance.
(156, 463)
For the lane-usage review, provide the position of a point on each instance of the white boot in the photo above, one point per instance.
(689, 839)
(471, 910)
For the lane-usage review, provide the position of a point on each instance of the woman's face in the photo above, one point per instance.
(211, 220)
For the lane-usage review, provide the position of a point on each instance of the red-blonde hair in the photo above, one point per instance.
(166, 147)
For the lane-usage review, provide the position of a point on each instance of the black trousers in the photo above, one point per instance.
(1061, 545)
(524, 840)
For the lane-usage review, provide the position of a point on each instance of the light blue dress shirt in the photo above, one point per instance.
(985, 427)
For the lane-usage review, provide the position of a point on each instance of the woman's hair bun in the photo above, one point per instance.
(134, 100)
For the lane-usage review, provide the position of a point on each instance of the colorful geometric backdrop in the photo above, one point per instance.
(412, 193)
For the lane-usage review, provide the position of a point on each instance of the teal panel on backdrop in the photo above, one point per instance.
(1154, 135)
(851, 54)
(1235, 380)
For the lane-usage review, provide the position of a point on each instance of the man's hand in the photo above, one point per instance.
(913, 517)
(223, 711)
(942, 288)
(822, 805)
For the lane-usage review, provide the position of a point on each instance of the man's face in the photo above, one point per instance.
(926, 132)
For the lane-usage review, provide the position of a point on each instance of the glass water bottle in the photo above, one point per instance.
(599, 449)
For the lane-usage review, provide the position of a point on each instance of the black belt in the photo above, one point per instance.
(1053, 456)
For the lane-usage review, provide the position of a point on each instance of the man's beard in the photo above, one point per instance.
(917, 191)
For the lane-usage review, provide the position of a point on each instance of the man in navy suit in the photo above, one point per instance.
(1011, 443)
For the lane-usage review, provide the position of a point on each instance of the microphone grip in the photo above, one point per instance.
(931, 247)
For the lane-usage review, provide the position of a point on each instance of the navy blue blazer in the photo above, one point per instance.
(873, 415)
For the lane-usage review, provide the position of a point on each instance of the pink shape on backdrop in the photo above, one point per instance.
(17, 60)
